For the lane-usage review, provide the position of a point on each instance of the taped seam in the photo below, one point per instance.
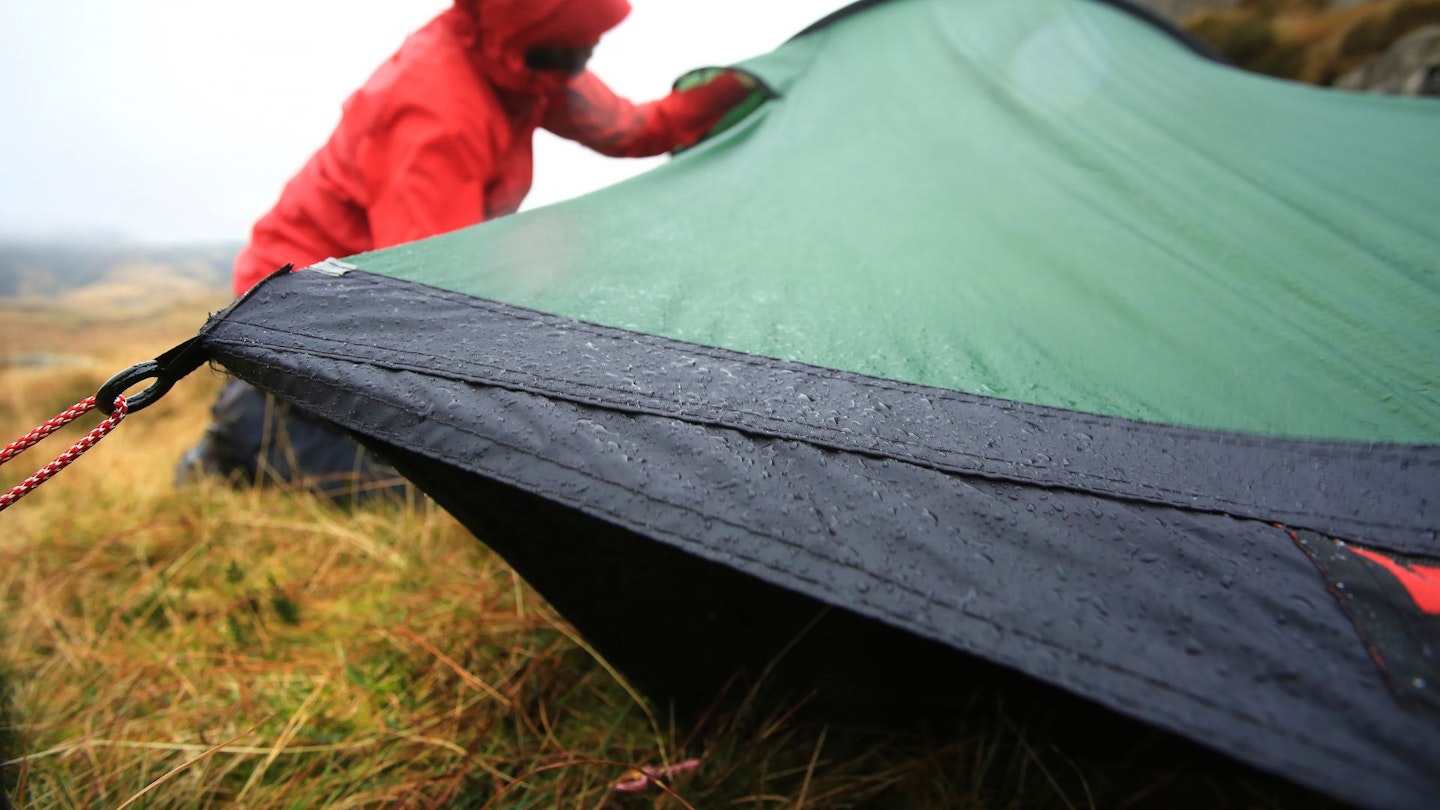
(824, 375)
(892, 449)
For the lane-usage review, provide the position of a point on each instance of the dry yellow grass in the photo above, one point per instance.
(262, 635)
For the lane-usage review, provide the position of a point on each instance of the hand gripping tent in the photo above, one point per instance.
(1016, 328)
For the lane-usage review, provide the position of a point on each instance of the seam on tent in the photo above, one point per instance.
(778, 427)
(1117, 697)
(519, 313)
(1177, 501)
(1264, 513)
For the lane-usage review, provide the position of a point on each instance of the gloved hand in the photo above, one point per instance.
(718, 98)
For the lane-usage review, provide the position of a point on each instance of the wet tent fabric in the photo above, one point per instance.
(1008, 327)
(1049, 202)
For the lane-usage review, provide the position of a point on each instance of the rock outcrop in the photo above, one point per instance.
(1411, 67)
(1321, 41)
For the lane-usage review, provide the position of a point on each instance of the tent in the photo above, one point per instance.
(1016, 329)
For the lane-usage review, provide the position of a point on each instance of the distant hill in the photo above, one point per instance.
(55, 268)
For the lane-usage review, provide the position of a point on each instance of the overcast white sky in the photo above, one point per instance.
(172, 120)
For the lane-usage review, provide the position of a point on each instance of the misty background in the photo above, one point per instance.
(172, 121)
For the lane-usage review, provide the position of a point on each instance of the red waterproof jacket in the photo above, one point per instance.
(440, 136)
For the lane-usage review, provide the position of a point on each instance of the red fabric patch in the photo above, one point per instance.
(1422, 581)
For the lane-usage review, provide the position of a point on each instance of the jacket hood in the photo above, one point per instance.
(505, 29)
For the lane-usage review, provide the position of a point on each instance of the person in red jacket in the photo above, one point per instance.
(439, 138)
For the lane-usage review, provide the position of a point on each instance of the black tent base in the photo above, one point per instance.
(702, 640)
(684, 630)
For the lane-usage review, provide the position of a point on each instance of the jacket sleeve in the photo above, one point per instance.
(422, 177)
(592, 114)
